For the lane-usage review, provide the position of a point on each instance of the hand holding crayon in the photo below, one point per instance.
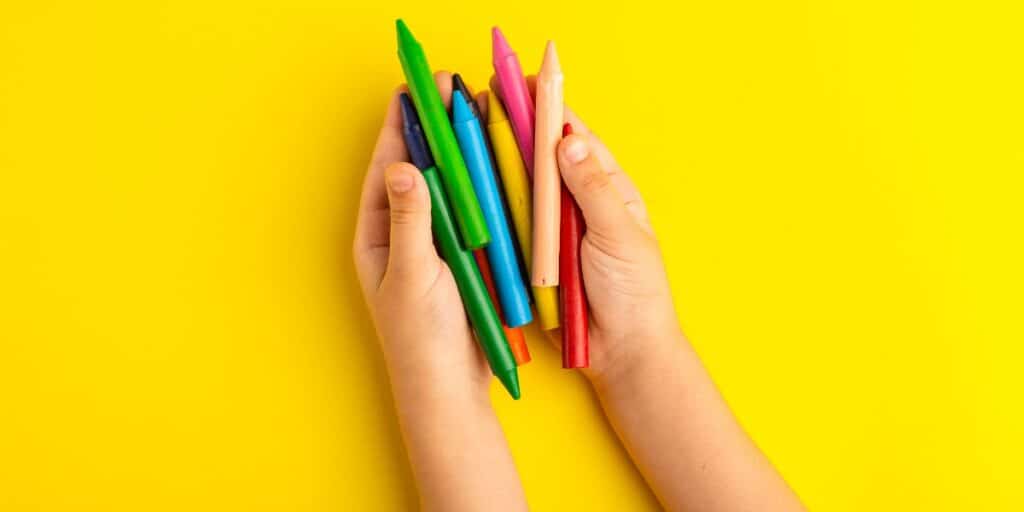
(462, 206)
(469, 188)
(582, 228)
(482, 313)
(413, 296)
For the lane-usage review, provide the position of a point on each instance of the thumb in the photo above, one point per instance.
(603, 206)
(409, 204)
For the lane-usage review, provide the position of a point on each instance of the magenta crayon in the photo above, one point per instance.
(515, 94)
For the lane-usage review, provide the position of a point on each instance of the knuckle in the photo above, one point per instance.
(406, 214)
(595, 180)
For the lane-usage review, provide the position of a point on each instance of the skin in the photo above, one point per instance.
(651, 384)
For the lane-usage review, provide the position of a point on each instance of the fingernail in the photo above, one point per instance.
(576, 151)
(400, 182)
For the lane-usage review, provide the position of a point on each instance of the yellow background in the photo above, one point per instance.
(837, 186)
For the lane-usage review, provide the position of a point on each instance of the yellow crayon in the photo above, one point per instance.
(513, 175)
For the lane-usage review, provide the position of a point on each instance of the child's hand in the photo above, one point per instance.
(439, 378)
(631, 313)
(410, 291)
(632, 318)
(657, 395)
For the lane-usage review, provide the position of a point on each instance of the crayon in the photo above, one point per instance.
(501, 254)
(575, 338)
(520, 203)
(514, 93)
(451, 167)
(546, 180)
(458, 84)
(482, 315)
(515, 336)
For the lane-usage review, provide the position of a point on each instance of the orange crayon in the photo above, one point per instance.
(516, 338)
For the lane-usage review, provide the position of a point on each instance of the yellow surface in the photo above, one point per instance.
(837, 186)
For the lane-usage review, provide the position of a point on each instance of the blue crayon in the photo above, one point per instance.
(501, 254)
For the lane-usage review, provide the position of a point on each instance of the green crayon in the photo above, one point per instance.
(434, 117)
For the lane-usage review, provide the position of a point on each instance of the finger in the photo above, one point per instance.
(412, 246)
(371, 235)
(390, 148)
(481, 103)
(492, 83)
(444, 86)
(602, 204)
(496, 87)
(372, 239)
(630, 193)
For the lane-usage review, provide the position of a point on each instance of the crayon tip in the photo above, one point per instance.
(460, 109)
(458, 84)
(404, 34)
(412, 133)
(495, 112)
(499, 46)
(510, 380)
(550, 63)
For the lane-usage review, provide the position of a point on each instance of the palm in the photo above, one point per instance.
(443, 316)
(622, 294)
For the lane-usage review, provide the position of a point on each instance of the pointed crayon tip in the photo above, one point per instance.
(412, 133)
(510, 380)
(404, 34)
(499, 45)
(551, 63)
(458, 84)
(495, 112)
(460, 109)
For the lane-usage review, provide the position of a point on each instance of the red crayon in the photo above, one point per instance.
(516, 338)
(575, 338)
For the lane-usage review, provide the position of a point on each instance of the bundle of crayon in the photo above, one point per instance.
(469, 202)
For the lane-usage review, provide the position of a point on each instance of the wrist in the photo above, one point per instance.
(434, 397)
(638, 356)
(421, 376)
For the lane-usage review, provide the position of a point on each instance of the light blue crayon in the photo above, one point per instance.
(501, 254)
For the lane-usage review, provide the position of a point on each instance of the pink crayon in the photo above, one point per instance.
(515, 94)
